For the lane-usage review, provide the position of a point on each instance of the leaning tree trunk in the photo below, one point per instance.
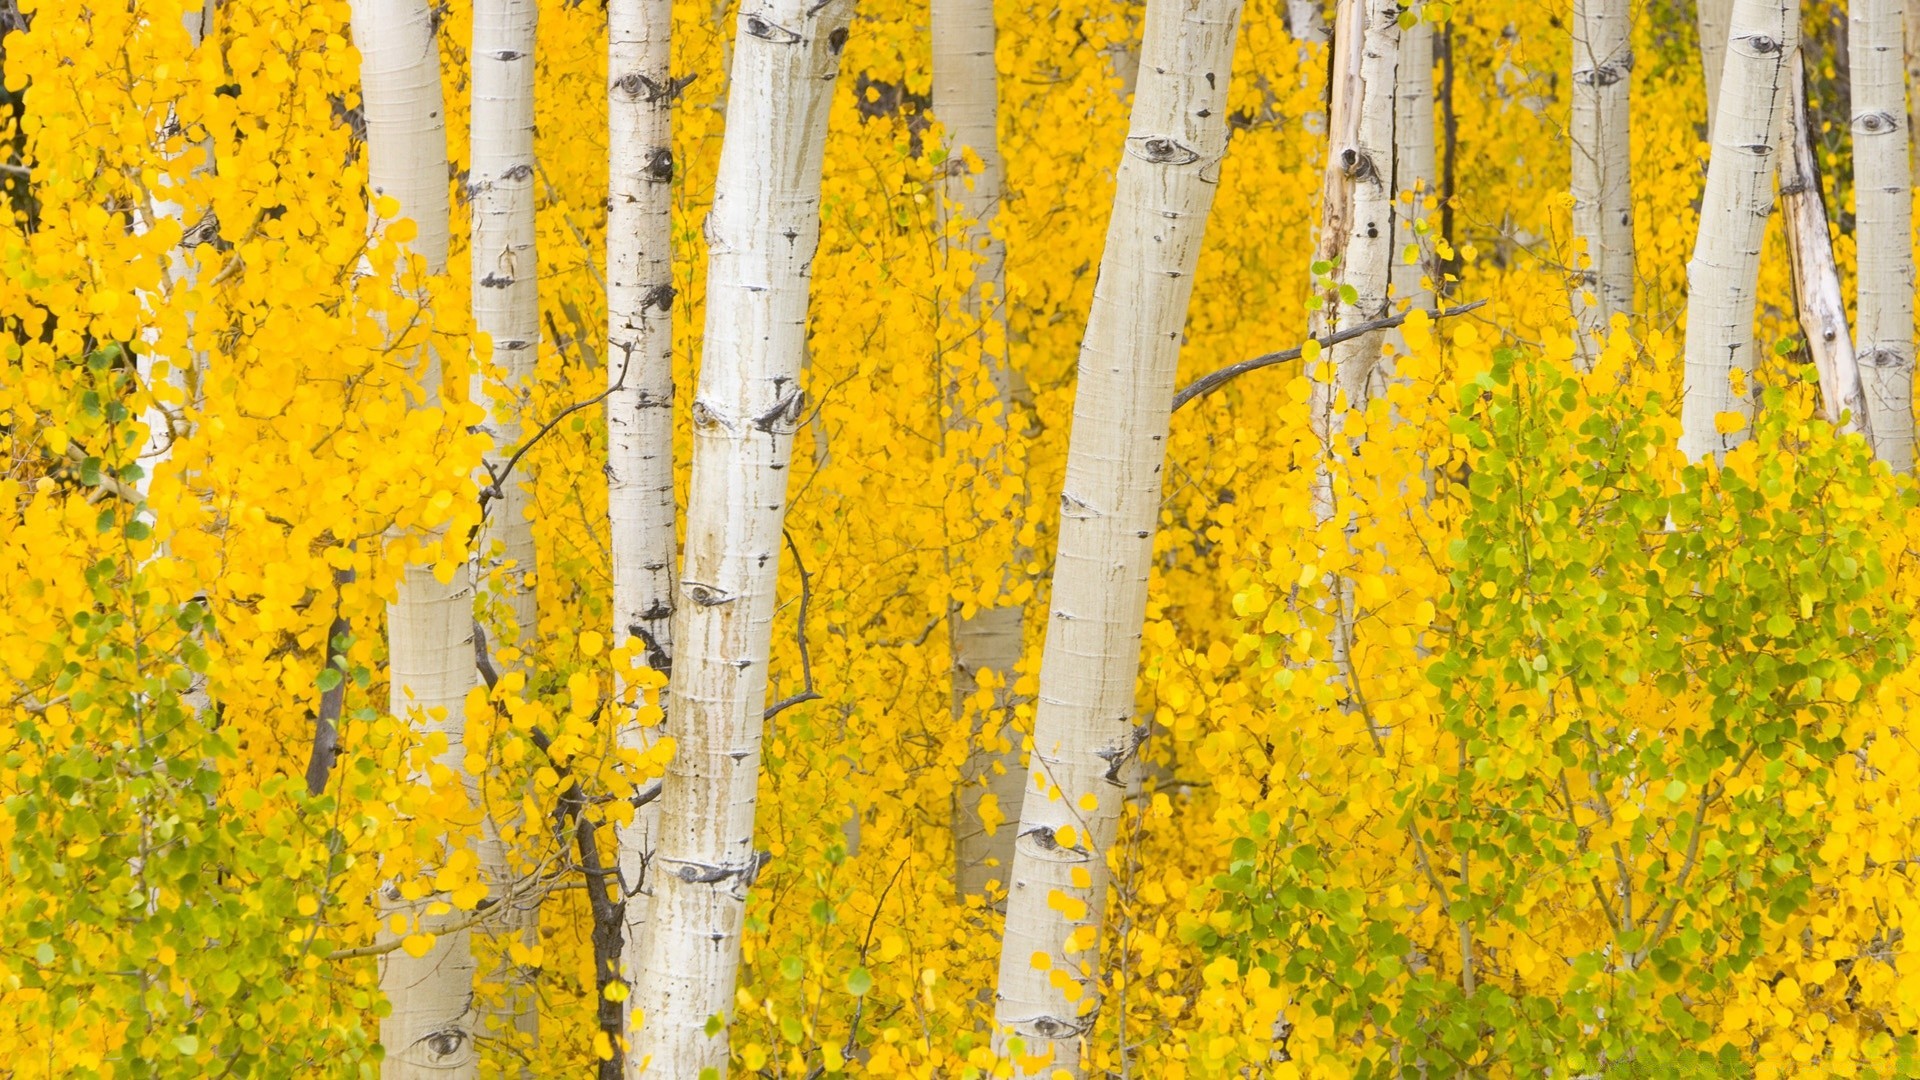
(429, 1035)
(1714, 20)
(1817, 295)
(1717, 398)
(762, 233)
(506, 307)
(1602, 176)
(966, 91)
(1883, 224)
(640, 504)
(1084, 732)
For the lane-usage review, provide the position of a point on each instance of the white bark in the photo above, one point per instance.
(1414, 168)
(506, 307)
(1883, 224)
(429, 1033)
(1722, 276)
(1304, 20)
(1084, 733)
(762, 233)
(1714, 20)
(640, 502)
(1817, 294)
(966, 91)
(1602, 176)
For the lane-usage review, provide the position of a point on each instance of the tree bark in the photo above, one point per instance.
(1714, 19)
(1414, 168)
(429, 1034)
(640, 501)
(1602, 172)
(1084, 733)
(506, 307)
(1723, 273)
(762, 234)
(966, 92)
(1883, 224)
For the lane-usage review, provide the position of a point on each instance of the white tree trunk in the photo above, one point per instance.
(1602, 174)
(506, 307)
(1714, 19)
(640, 502)
(1817, 294)
(1722, 276)
(762, 233)
(1305, 22)
(1084, 733)
(1358, 224)
(966, 89)
(1414, 168)
(1883, 223)
(429, 1035)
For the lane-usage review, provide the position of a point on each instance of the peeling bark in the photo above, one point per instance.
(1817, 294)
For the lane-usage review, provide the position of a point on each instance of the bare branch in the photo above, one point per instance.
(807, 692)
(326, 722)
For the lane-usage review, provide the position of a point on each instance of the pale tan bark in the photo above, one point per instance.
(1602, 176)
(966, 102)
(1818, 298)
(1714, 20)
(1723, 274)
(1414, 170)
(640, 501)
(1883, 224)
(762, 234)
(506, 307)
(429, 1035)
(1084, 733)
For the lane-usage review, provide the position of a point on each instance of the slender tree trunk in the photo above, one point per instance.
(1414, 168)
(1817, 294)
(1602, 173)
(640, 503)
(1714, 18)
(1911, 50)
(429, 1035)
(506, 307)
(1723, 274)
(1084, 734)
(1305, 21)
(762, 234)
(1883, 223)
(966, 91)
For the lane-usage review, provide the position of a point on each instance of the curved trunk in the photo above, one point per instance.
(640, 503)
(1722, 275)
(1084, 734)
(966, 91)
(429, 1035)
(506, 307)
(762, 233)
(1883, 223)
(1602, 173)
(1817, 295)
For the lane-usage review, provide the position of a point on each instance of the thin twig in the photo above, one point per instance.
(1207, 384)
(806, 658)
(326, 722)
(497, 477)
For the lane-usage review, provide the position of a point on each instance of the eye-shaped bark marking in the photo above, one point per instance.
(1162, 150)
(1875, 123)
(767, 30)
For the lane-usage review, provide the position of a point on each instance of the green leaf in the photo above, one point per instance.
(859, 982)
(188, 1045)
(329, 678)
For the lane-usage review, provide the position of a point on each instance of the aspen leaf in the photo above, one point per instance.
(417, 945)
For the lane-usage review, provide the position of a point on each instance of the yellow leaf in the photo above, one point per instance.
(417, 945)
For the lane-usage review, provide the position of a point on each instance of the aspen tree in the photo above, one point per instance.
(430, 1031)
(1717, 396)
(1883, 223)
(1084, 733)
(506, 308)
(640, 502)
(1411, 269)
(762, 234)
(1713, 19)
(966, 91)
(1602, 173)
(1818, 297)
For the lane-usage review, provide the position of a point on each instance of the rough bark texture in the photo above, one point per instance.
(429, 1035)
(1084, 733)
(1883, 223)
(506, 307)
(966, 90)
(762, 233)
(1817, 294)
(1714, 20)
(1602, 175)
(1722, 275)
(640, 503)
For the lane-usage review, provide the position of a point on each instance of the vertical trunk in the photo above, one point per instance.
(1883, 223)
(966, 91)
(1084, 734)
(640, 504)
(1714, 18)
(1722, 276)
(429, 1033)
(1414, 171)
(506, 307)
(1817, 294)
(1911, 50)
(1602, 175)
(762, 233)
(1305, 22)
